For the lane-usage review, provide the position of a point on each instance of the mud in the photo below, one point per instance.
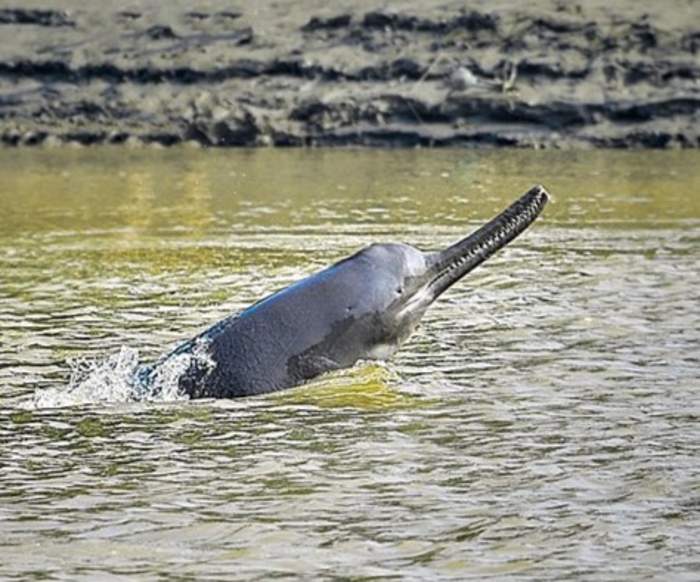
(547, 74)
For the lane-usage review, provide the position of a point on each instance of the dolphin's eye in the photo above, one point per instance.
(399, 290)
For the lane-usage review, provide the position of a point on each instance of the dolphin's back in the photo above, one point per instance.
(288, 337)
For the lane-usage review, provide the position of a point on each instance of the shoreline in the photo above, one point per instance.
(553, 74)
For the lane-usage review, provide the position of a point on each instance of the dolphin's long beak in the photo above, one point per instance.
(450, 265)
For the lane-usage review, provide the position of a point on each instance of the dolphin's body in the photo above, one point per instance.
(363, 307)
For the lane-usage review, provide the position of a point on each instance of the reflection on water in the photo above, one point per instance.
(541, 424)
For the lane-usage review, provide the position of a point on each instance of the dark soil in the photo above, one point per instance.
(544, 73)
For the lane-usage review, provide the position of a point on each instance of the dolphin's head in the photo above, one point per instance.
(412, 280)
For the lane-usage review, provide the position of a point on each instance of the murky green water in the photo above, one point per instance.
(543, 423)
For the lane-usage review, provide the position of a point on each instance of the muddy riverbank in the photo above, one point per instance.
(549, 74)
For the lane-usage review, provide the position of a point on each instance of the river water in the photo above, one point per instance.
(542, 424)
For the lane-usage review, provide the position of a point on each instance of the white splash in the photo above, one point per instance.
(94, 381)
(116, 379)
(165, 382)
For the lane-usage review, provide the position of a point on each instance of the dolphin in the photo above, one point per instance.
(362, 307)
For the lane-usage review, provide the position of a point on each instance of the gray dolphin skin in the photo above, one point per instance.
(362, 307)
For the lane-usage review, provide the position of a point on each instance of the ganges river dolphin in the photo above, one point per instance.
(362, 307)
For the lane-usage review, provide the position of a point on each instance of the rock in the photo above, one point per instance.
(462, 78)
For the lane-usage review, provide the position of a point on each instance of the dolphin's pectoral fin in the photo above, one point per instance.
(306, 366)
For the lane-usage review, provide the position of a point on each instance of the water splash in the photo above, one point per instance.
(163, 381)
(121, 378)
(93, 381)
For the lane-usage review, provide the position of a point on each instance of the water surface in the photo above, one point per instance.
(542, 424)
